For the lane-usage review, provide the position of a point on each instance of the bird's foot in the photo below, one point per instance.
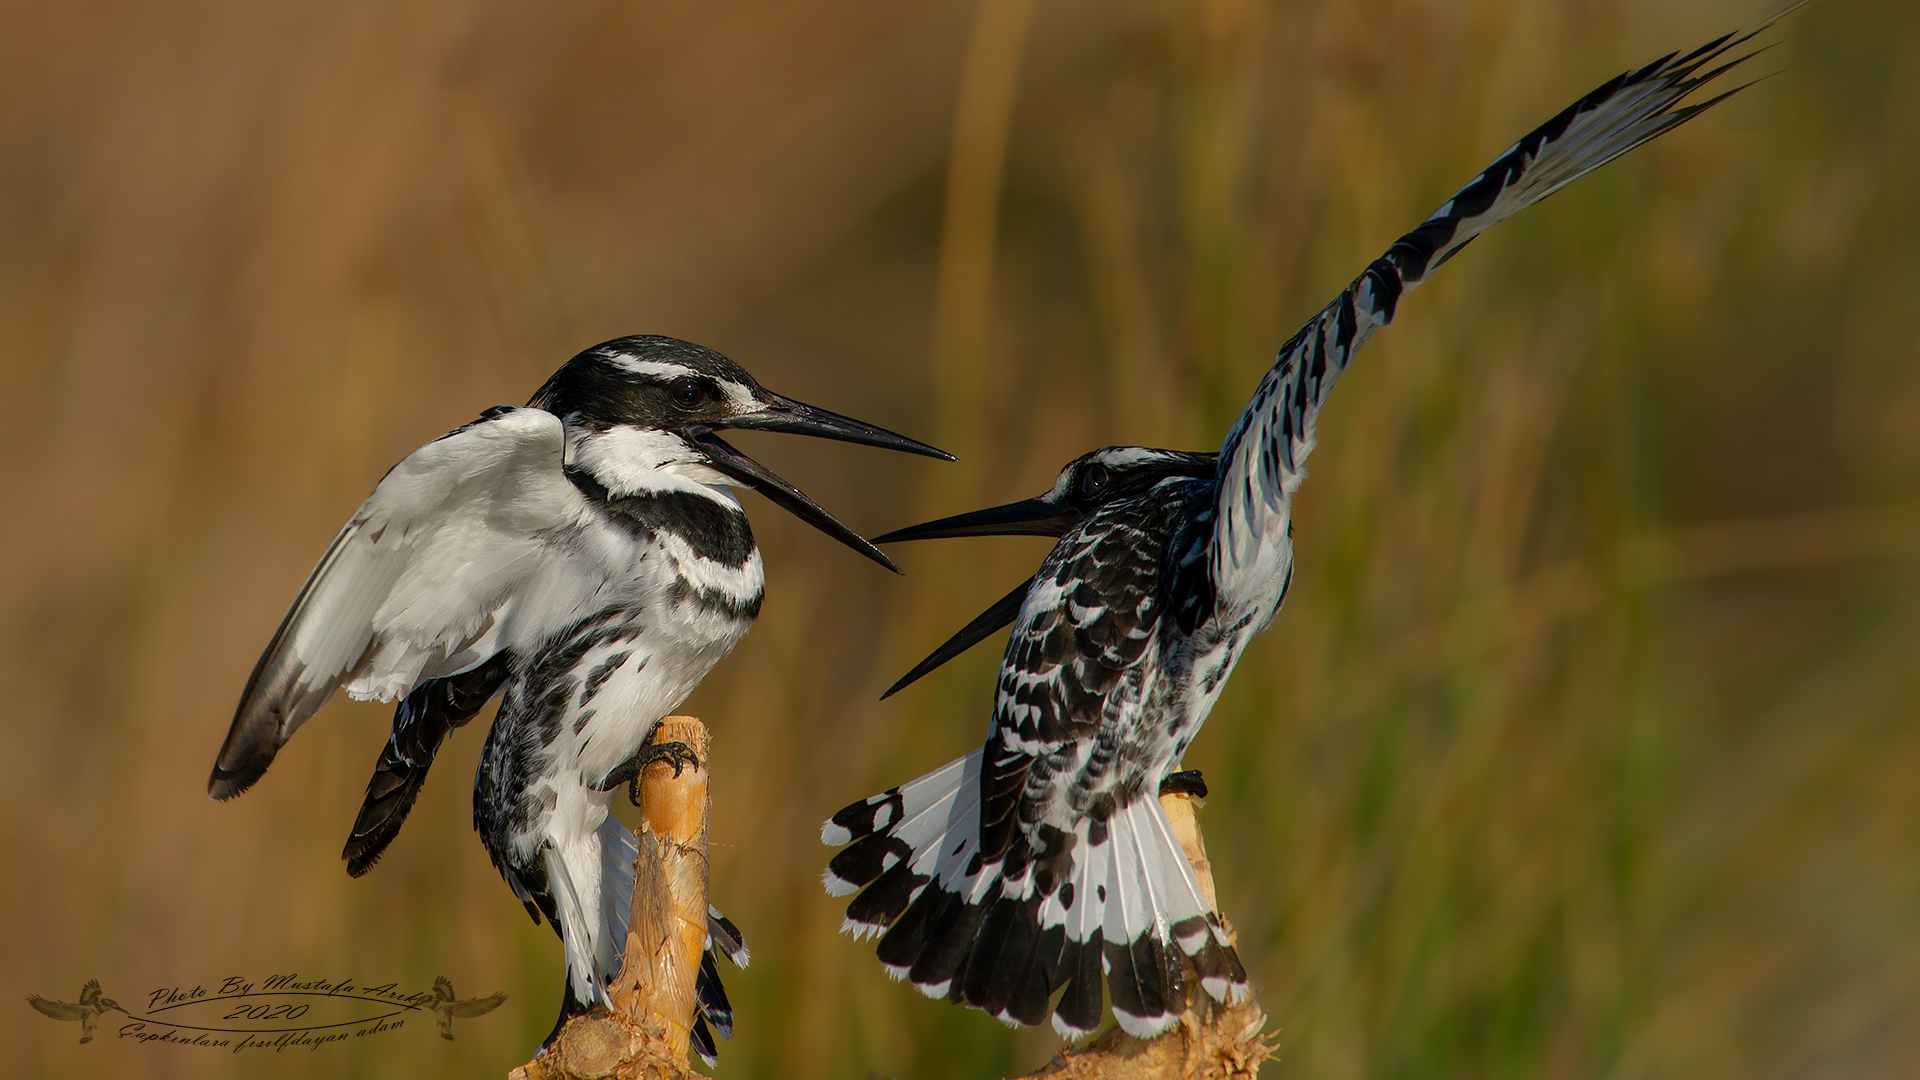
(1184, 783)
(628, 772)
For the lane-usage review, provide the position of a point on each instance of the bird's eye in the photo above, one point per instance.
(1094, 480)
(689, 393)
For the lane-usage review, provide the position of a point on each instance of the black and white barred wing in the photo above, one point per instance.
(1043, 863)
(416, 586)
(59, 1010)
(1261, 460)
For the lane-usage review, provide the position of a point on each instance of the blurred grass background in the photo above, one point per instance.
(1584, 746)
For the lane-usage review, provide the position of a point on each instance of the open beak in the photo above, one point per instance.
(785, 414)
(794, 418)
(1003, 611)
(1034, 517)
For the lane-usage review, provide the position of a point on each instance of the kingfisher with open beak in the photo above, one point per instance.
(583, 559)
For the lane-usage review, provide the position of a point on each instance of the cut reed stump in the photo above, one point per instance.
(644, 1035)
(1211, 1041)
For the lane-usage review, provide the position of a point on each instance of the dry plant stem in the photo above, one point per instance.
(645, 1034)
(1211, 1041)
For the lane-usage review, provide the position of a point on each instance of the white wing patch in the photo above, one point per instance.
(439, 568)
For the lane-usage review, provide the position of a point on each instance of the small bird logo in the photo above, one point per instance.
(446, 1007)
(93, 1005)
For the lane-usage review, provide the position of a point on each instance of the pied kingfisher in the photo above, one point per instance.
(582, 558)
(1043, 861)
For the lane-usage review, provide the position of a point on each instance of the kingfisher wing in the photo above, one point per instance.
(1261, 461)
(1073, 662)
(477, 1006)
(59, 1010)
(1044, 861)
(418, 583)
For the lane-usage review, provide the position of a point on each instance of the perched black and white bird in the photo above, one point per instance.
(581, 557)
(1022, 876)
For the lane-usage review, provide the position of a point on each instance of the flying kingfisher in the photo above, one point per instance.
(93, 1005)
(581, 558)
(1022, 877)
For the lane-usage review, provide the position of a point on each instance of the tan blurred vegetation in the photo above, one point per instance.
(1583, 748)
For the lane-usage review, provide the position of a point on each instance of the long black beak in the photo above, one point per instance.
(750, 473)
(1003, 611)
(1034, 517)
(795, 418)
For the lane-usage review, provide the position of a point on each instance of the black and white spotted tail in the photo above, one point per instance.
(1114, 899)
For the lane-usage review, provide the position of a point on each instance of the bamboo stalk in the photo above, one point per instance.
(644, 1036)
(1212, 1041)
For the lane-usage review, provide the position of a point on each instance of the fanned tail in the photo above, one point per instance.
(1112, 902)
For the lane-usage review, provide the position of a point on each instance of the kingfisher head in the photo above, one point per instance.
(92, 998)
(1105, 476)
(639, 407)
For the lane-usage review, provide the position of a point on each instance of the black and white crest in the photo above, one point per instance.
(1021, 877)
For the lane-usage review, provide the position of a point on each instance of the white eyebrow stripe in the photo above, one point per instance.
(1129, 455)
(738, 396)
(662, 368)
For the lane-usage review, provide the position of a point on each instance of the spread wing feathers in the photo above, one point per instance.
(59, 1010)
(1113, 902)
(477, 1006)
(418, 583)
(1074, 679)
(1262, 456)
(424, 719)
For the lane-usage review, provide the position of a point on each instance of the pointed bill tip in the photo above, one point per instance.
(1003, 612)
(751, 474)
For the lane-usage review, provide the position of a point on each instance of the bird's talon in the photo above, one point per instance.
(629, 771)
(679, 753)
